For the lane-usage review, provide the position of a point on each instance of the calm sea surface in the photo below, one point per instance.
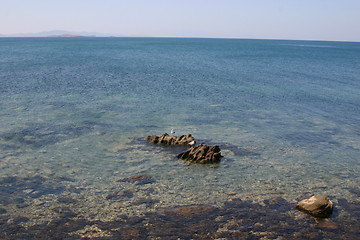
(74, 113)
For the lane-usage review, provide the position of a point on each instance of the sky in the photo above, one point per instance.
(333, 20)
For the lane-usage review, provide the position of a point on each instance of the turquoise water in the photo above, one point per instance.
(74, 113)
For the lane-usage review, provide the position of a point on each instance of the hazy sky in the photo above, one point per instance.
(281, 19)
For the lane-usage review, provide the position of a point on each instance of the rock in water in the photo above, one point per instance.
(166, 139)
(202, 154)
(317, 206)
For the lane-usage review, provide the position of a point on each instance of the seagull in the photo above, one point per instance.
(172, 132)
(192, 143)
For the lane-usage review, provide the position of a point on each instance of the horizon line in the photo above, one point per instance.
(115, 36)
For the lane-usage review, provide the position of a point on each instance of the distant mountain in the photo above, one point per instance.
(60, 33)
(71, 35)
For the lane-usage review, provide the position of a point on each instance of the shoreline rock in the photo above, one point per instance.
(203, 154)
(166, 139)
(317, 206)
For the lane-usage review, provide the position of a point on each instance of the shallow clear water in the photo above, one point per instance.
(74, 113)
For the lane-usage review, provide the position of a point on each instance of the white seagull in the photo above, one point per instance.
(192, 143)
(172, 132)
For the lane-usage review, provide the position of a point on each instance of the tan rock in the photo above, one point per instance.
(317, 206)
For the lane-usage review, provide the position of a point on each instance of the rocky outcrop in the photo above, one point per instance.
(317, 206)
(166, 139)
(202, 154)
(195, 154)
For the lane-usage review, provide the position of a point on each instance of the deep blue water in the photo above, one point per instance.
(74, 112)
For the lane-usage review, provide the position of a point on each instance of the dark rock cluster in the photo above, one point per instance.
(202, 154)
(195, 154)
(167, 139)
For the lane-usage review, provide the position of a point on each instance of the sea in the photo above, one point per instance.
(74, 113)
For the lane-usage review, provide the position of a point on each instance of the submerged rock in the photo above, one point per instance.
(202, 154)
(120, 194)
(188, 212)
(138, 179)
(166, 139)
(317, 206)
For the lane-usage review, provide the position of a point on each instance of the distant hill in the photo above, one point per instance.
(70, 35)
(60, 33)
